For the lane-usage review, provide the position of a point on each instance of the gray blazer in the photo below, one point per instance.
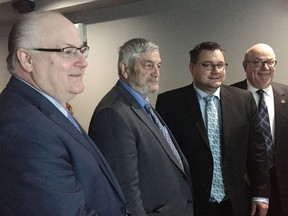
(149, 173)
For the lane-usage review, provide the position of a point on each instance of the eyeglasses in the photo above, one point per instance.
(209, 66)
(68, 52)
(261, 63)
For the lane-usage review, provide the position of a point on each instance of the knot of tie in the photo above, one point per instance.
(260, 92)
(209, 98)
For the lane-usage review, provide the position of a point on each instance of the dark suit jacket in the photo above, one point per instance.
(149, 173)
(46, 166)
(280, 92)
(243, 149)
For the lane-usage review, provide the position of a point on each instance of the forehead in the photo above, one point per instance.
(153, 56)
(61, 32)
(210, 55)
(261, 53)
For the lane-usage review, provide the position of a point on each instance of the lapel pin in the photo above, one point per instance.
(283, 101)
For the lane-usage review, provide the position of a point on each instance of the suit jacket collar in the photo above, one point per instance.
(281, 107)
(226, 113)
(193, 107)
(48, 109)
(138, 110)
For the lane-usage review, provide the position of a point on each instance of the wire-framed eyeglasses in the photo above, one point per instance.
(209, 66)
(261, 62)
(68, 52)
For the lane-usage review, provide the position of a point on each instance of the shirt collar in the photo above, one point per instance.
(51, 99)
(135, 94)
(268, 90)
(201, 94)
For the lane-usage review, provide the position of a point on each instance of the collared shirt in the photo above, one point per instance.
(269, 99)
(51, 99)
(135, 94)
(201, 95)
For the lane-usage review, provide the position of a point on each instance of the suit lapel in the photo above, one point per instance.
(193, 110)
(84, 140)
(159, 136)
(49, 110)
(281, 107)
(225, 103)
(143, 116)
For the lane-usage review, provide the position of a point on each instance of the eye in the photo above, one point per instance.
(70, 51)
(257, 63)
(148, 65)
(270, 62)
(207, 65)
(220, 65)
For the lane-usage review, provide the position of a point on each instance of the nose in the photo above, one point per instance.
(265, 66)
(81, 61)
(156, 71)
(215, 69)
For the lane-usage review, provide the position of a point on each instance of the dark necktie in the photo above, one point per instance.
(217, 188)
(164, 131)
(265, 124)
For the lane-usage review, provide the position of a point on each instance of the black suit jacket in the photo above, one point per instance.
(47, 166)
(149, 173)
(280, 92)
(243, 149)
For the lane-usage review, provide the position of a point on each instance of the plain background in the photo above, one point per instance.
(176, 26)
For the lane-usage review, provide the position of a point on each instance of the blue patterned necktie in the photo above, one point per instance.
(265, 124)
(164, 131)
(217, 188)
(73, 121)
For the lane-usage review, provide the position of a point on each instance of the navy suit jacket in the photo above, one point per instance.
(242, 146)
(280, 92)
(148, 172)
(47, 166)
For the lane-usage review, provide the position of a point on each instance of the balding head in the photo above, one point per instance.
(259, 65)
(259, 49)
(32, 30)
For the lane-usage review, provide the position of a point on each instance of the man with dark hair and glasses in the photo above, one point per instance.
(217, 128)
(48, 164)
(259, 65)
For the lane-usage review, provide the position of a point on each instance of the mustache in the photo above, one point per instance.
(264, 72)
(153, 79)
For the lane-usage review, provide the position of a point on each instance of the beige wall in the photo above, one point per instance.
(176, 26)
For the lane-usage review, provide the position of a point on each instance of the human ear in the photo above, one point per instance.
(25, 59)
(124, 70)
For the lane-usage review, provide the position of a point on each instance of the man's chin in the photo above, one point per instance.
(153, 90)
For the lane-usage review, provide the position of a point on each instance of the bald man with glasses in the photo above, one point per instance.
(260, 67)
(48, 164)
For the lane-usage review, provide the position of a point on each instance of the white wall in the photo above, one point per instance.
(176, 26)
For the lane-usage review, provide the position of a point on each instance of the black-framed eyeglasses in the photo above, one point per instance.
(68, 52)
(261, 62)
(209, 66)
